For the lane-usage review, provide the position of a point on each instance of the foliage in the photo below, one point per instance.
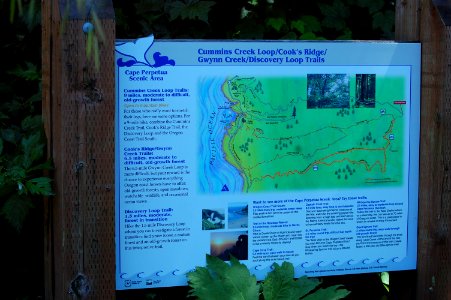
(256, 19)
(385, 280)
(22, 141)
(220, 280)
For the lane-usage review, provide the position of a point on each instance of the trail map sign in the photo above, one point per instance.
(304, 152)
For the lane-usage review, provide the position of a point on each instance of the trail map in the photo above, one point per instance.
(316, 131)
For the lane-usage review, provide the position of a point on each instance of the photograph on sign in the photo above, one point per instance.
(267, 151)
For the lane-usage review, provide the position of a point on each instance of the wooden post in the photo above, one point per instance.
(78, 109)
(419, 20)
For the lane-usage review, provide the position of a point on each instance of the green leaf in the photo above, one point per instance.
(9, 135)
(32, 122)
(289, 36)
(276, 23)
(335, 15)
(241, 280)
(372, 5)
(33, 149)
(30, 72)
(330, 293)
(337, 10)
(280, 284)
(48, 165)
(191, 9)
(308, 284)
(311, 23)
(347, 35)
(12, 10)
(39, 186)
(383, 21)
(385, 279)
(16, 173)
(308, 36)
(15, 210)
(219, 280)
(298, 25)
(217, 266)
(204, 286)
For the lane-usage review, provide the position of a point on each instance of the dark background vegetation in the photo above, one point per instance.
(22, 144)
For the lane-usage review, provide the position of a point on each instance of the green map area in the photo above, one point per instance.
(316, 132)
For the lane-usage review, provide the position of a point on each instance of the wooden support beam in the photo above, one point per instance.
(78, 109)
(419, 20)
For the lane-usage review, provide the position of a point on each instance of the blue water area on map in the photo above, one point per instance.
(216, 174)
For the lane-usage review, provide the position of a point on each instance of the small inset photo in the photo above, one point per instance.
(328, 91)
(365, 90)
(226, 244)
(213, 219)
(238, 215)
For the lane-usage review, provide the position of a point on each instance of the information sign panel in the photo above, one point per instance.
(269, 151)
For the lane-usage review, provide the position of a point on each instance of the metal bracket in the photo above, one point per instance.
(79, 286)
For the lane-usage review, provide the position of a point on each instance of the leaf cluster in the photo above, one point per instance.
(222, 281)
(21, 165)
(22, 142)
(256, 19)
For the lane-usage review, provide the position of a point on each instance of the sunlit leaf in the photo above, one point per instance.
(330, 293)
(219, 280)
(280, 284)
(385, 279)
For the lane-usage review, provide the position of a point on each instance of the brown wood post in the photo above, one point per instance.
(78, 109)
(419, 20)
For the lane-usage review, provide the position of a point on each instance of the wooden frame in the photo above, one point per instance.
(78, 108)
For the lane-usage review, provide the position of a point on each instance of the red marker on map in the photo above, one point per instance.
(399, 102)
